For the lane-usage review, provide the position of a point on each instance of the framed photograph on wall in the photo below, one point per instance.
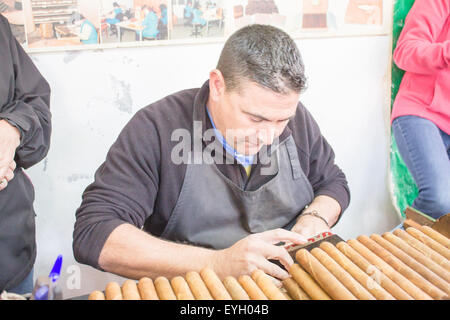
(198, 19)
(134, 21)
(277, 13)
(343, 18)
(61, 23)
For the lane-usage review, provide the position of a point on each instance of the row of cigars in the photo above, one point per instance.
(402, 265)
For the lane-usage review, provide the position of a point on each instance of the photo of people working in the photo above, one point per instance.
(138, 20)
(59, 23)
(198, 19)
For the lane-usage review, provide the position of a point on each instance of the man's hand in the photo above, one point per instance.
(254, 251)
(9, 141)
(309, 226)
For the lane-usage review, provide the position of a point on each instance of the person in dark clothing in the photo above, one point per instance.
(215, 177)
(162, 23)
(25, 127)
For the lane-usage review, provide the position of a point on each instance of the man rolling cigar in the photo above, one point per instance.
(25, 127)
(217, 176)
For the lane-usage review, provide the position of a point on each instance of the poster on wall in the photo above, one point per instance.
(49, 25)
(198, 19)
(61, 23)
(343, 17)
(134, 21)
(273, 12)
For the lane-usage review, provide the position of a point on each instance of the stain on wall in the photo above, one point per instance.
(122, 97)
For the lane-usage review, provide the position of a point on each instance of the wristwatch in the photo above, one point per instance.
(314, 213)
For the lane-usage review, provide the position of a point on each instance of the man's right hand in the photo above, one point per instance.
(254, 251)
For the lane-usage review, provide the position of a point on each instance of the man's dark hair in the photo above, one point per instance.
(265, 55)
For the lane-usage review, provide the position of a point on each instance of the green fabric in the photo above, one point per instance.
(403, 186)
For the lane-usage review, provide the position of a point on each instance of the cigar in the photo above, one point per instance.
(130, 290)
(403, 269)
(308, 284)
(324, 278)
(374, 288)
(286, 295)
(214, 285)
(427, 251)
(377, 277)
(418, 255)
(198, 287)
(414, 265)
(252, 289)
(294, 290)
(395, 276)
(343, 276)
(113, 291)
(234, 289)
(436, 236)
(436, 246)
(147, 289)
(96, 295)
(163, 289)
(181, 289)
(267, 286)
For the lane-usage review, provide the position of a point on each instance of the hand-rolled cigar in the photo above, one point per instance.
(286, 295)
(439, 237)
(130, 290)
(163, 289)
(403, 269)
(436, 246)
(198, 287)
(414, 265)
(234, 289)
(294, 290)
(267, 286)
(214, 285)
(367, 282)
(308, 284)
(343, 276)
(410, 223)
(181, 289)
(252, 289)
(96, 295)
(427, 251)
(113, 291)
(147, 289)
(375, 274)
(417, 255)
(324, 278)
(397, 277)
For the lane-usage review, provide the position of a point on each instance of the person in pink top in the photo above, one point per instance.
(421, 112)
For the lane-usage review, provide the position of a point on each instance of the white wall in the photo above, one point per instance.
(96, 92)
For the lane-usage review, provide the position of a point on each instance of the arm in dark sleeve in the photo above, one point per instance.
(29, 110)
(124, 189)
(324, 175)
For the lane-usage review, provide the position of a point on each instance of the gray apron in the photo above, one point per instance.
(214, 212)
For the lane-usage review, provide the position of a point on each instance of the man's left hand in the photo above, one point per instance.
(9, 141)
(310, 226)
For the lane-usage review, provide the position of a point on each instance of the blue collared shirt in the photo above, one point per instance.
(242, 159)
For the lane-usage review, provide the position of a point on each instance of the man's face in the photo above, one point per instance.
(254, 116)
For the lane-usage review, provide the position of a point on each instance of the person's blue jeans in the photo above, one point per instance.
(425, 149)
(26, 286)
